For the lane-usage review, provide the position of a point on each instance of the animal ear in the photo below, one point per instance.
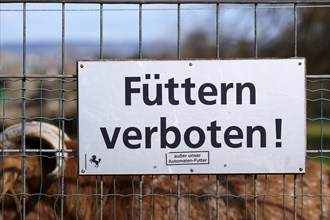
(11, 171)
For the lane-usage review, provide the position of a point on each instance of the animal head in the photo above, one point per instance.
(41, 139)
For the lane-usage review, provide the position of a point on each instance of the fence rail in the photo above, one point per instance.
(169, 1)
(75, 76)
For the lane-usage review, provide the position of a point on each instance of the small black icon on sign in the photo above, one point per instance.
(95, 160)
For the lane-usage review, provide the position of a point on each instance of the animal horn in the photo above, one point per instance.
(51, 134)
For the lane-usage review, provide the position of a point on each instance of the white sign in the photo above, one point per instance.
(191, 117)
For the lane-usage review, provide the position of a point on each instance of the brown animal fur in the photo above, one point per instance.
(198, 197)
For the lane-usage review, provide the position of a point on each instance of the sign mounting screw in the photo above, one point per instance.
(82, 66)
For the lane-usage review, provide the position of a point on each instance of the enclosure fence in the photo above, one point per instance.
(28, 94)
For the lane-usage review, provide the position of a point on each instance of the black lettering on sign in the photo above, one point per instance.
(206, 93)
(193, 137)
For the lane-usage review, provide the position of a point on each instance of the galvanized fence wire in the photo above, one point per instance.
(175, 193)
(179, 193)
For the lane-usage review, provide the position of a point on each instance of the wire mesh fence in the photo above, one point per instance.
(39, 180)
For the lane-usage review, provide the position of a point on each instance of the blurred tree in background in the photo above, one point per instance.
(313, 41)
